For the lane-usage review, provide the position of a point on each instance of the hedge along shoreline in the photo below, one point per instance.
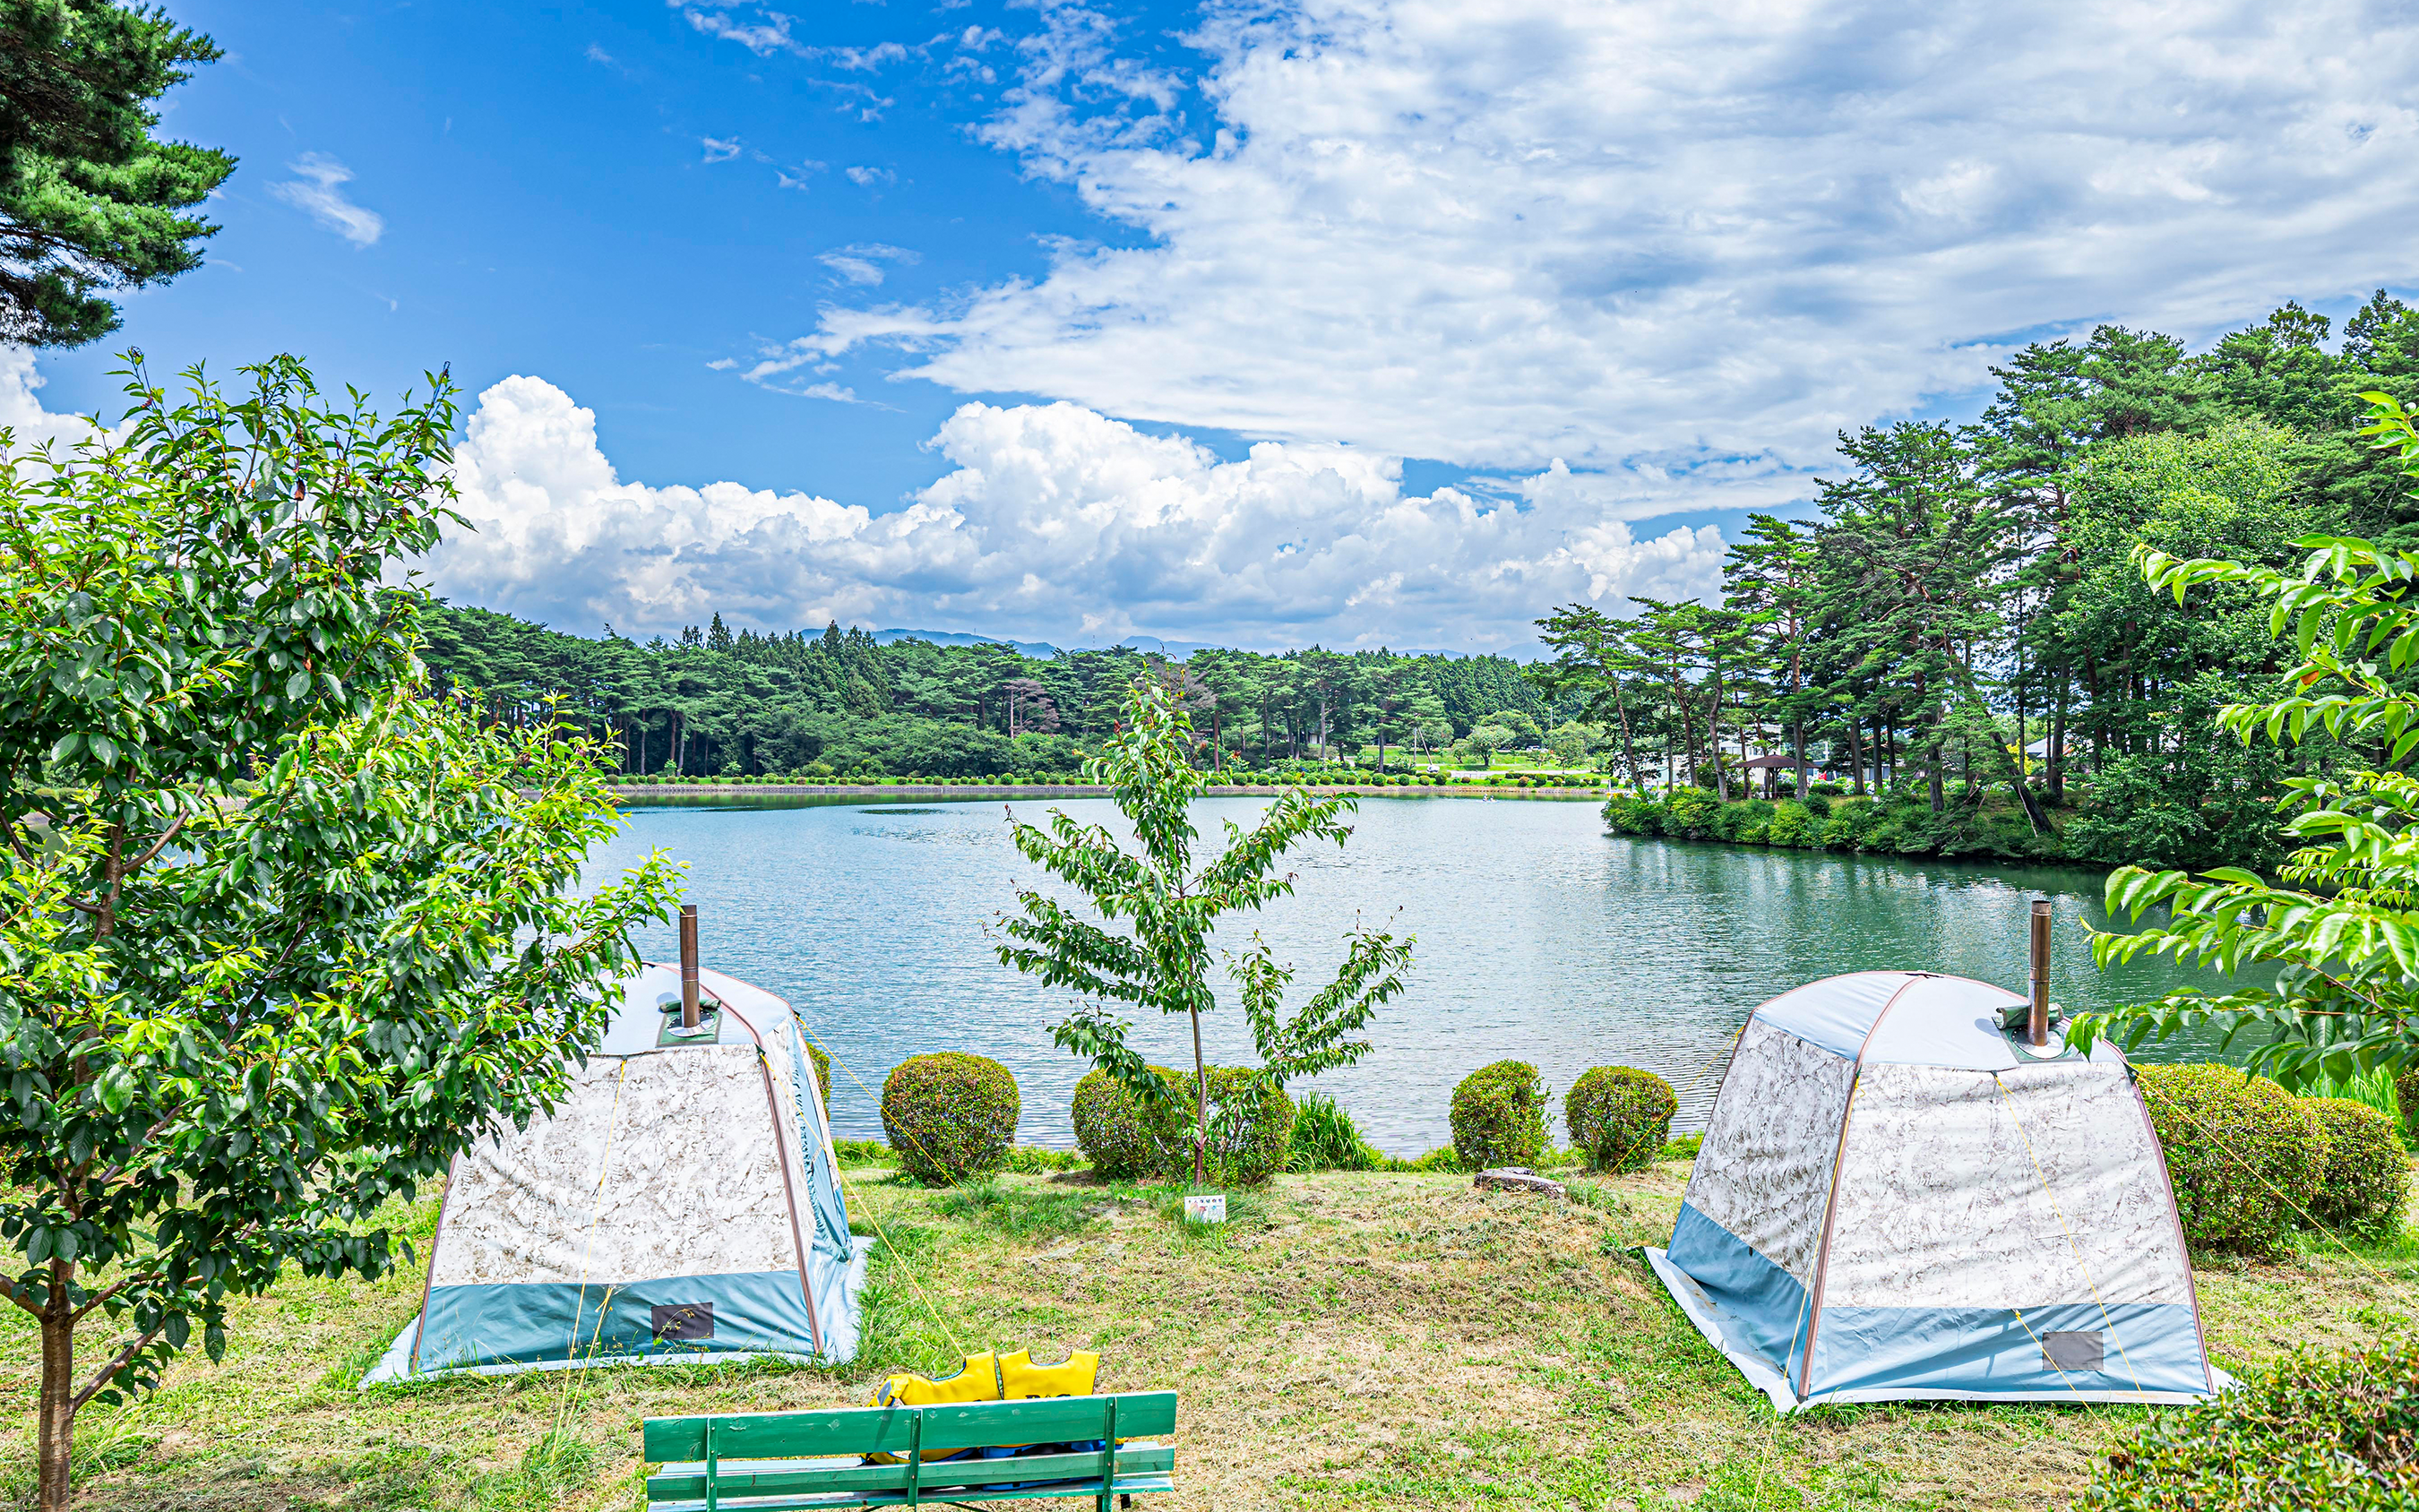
(1992, 828)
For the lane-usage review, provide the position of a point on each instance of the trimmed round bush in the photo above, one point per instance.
(1619, 1117)
(1125, 1139)
(949, 1115)
(2317, 1429)
(1110, 1130)
(2215, 1121)
(1499, 1115)
(2365, 1182)
(1255, 1146)
(2406, 1097)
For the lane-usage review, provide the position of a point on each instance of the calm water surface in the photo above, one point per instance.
(1540, 938)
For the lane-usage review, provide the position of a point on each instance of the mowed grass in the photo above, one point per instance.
(1345, 1341)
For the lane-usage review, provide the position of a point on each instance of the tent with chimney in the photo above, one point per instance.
(682, 1204)
(1911, 1187)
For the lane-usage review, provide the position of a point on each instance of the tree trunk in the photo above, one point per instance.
(2055, 747)
(1200, 1109)
(1939, 753)
(1628, 750)
(1855, 756)
(52, 1438)
(1797, 744)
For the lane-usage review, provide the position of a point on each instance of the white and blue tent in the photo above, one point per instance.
(1898, 1199)
(682, 1204)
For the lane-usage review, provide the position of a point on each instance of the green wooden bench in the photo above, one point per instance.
(780, 1461)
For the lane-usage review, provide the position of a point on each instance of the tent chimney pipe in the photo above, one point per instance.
(2037, 1030)
(689, 966)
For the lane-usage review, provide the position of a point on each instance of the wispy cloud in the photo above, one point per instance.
(721, 149)
(316, 188)
(762, 37)
(861, 262)
(867, 178)
(865, 59)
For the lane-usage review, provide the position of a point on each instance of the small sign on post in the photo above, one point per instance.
(1206, 1209)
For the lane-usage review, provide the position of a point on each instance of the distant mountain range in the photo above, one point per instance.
(1172, 650)
(1038, 650)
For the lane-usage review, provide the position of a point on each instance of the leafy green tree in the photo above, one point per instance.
(280, 928)
(1523, 729)
(1592, 661)
(1170, 905)
(89, 201)
(1770, 580)
(2330, 947)
(1485, 740)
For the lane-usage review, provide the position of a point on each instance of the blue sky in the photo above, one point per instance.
(1353, 320)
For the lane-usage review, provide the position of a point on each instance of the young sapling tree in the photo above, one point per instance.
(1170, 905)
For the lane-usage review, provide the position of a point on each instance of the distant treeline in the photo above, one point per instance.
(714, 702)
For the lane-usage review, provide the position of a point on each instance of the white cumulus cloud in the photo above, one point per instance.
(318, 190)
(1663, 235)
(1053, 521)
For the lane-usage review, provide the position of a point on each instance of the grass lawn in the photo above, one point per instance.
(1346, 1341)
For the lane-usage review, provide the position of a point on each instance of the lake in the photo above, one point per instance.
(1540, 938)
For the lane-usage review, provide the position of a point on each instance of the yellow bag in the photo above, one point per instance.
(989, 1377)
(994, 1378)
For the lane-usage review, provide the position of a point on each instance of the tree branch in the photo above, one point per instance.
(98, 1297)
(156, 845)
(17, 1294)
(116, 1363)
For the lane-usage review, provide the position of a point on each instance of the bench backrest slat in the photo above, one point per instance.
(948, 1427)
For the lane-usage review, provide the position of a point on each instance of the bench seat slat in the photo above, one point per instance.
(1125, 1486)
(760, 1477)
(948, 1426)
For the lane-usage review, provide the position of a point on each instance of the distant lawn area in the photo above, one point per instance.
(1348, 1341)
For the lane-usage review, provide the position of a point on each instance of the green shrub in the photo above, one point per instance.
(1684, 1147)
(1251, 1127)
(1794, 825)
(1499, 1115)
(1690, 812)
(2242, 1153)
(823, 1072)
(1109, 1128)
(862, 1152)
(949, 1115)
(1619, 1116)
(1745, 820)
(2365, 1182)
(2406, 1097)
(1037, 1160)
(1442, 1158)
(2317, 1429)
(1629, 814)
(1326, 1140)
